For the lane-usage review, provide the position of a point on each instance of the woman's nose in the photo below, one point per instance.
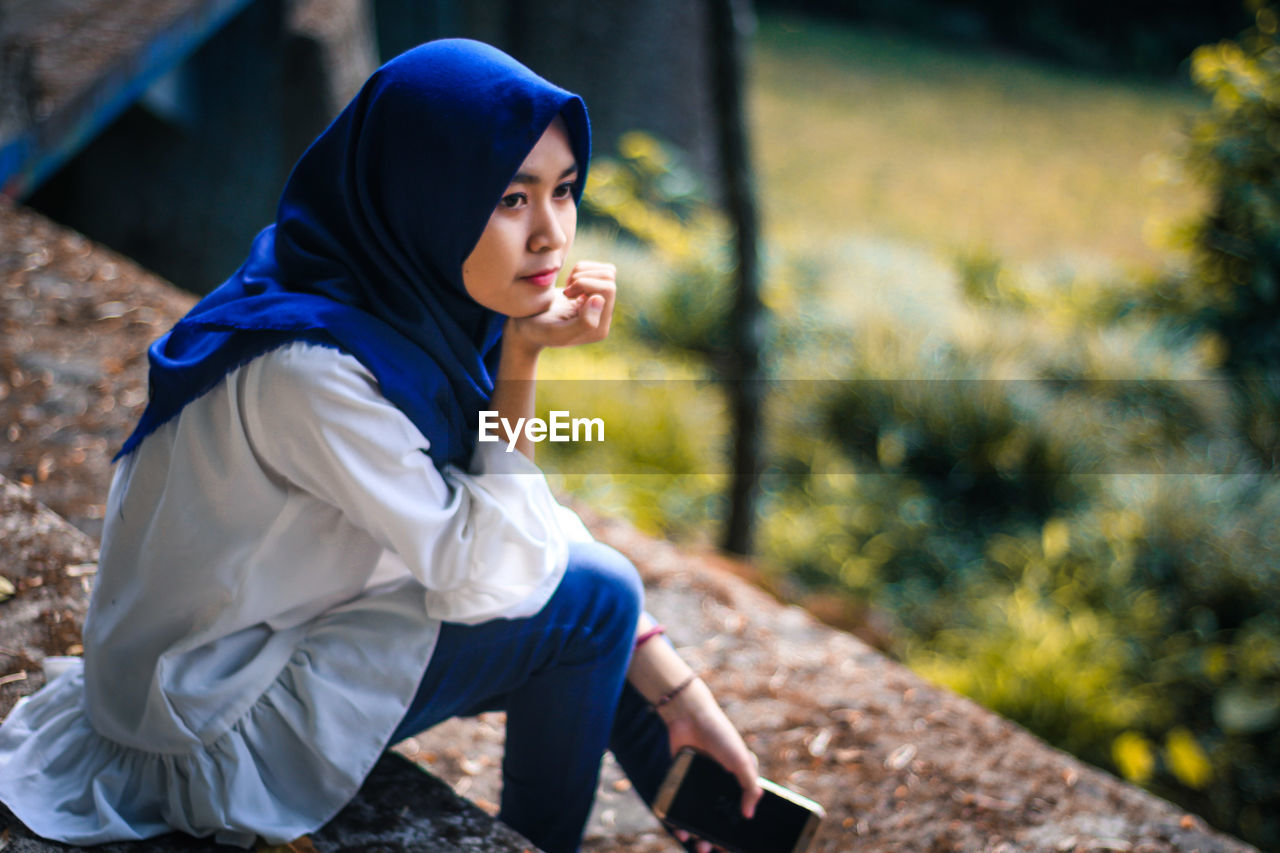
(548, 233)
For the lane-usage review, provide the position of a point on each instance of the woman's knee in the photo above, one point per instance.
(609, 580)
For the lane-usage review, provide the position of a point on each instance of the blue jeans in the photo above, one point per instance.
(561, 677)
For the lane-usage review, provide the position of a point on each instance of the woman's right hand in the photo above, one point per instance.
(580, 313)
(695, 719)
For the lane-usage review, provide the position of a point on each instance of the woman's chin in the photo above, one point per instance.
(533, 308)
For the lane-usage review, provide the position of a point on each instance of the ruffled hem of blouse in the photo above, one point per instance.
(67, 782)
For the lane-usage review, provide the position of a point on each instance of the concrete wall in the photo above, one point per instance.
(639, 64)
(183, 180)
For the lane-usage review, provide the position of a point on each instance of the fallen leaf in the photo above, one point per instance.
(818, 746)
(6, 588)
(301, 844)
(901, 756)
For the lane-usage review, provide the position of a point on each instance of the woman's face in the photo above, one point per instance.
(514, 265)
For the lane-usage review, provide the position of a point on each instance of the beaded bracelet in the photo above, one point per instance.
(649, 635)
(675, 691)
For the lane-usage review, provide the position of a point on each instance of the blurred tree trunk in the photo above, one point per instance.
(639, 64)
(402, 24)
(730, 24)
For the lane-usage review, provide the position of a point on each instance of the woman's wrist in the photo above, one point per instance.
(688, 703)
(656, 669)
(517, 351)
(514, 388)
(672, 694)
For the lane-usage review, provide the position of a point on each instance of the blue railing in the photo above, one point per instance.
(38, 150)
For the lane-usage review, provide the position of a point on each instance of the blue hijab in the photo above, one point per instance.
(366, 251)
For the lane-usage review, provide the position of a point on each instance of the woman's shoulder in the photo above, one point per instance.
(303, 374)
(307, 361)
(306, 389)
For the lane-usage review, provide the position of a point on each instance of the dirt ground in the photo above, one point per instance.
(898, 764)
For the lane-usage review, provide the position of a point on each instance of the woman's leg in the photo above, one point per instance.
(558, 675)
(639, 743)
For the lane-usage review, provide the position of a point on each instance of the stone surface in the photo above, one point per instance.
(50, 564)
(400, 807)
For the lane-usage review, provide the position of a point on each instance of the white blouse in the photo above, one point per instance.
(274, 570)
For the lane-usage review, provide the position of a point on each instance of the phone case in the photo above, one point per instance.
(671, 784)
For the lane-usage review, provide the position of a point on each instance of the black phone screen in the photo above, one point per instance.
(709, 803)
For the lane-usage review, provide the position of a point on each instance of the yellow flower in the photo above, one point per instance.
(1187, 759)
(1055, 539)
(1134, 756)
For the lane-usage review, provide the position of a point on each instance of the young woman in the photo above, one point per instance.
(308, 556)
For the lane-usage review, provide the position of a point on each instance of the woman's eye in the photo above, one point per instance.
(564, 190)
(511, 201)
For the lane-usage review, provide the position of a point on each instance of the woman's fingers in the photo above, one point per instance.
(590, 279)
(744, 766)
(593, 310)
(584, 321)
(684, 838)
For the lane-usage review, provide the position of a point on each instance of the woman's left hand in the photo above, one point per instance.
(695, 719)
(580, 313)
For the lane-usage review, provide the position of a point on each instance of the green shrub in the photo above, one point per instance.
(1235, 152)
(649, 194)
(1232, 290)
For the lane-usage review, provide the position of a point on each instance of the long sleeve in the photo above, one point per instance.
(484, 544)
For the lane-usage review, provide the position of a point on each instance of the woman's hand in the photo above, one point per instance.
(579, 314)
(695, 719)
(693, 716)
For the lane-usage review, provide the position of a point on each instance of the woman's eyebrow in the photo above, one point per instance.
(526, 178)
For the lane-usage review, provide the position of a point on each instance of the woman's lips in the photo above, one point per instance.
(542, 278)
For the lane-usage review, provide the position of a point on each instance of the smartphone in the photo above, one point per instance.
(700, 796)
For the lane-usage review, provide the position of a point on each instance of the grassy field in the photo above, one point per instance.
(859, 131)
